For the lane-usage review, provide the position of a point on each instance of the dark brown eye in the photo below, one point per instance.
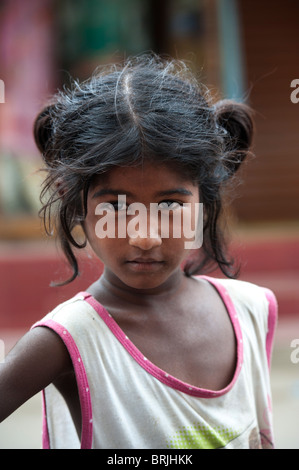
(169, 205)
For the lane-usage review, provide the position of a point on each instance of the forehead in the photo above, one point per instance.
(148, 175)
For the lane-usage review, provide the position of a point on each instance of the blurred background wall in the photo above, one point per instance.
(242, 49)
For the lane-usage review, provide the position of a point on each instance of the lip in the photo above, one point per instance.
(144, 264)
(144, 260)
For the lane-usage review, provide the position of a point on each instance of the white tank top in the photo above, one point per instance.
(127, 402)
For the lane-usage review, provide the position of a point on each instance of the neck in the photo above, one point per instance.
(109, 284)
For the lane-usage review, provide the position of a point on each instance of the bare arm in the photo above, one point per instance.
(37, 360)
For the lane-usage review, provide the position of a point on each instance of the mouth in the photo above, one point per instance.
(145, 264)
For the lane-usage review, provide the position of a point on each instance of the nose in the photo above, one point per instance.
(147, 236)
(145, 243)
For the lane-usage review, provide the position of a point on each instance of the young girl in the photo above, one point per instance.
(154, 354)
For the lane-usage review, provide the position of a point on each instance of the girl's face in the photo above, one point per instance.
(135, 223)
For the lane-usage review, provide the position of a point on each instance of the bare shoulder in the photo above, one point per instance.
(38, 359)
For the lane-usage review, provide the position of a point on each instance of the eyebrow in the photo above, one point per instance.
(112, 192)
(117, 192)
(168, 192)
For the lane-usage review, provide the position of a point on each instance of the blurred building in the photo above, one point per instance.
(242, 49)
(245, 49)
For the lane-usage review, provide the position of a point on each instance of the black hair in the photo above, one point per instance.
(146, 108)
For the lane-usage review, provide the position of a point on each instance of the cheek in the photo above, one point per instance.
(101, 233)
(185, 224)
(108, 251)
(89, 228)
(174, 249)
(98, 223)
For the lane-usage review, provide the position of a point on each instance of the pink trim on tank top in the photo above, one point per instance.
(82, 382)
(272, 319)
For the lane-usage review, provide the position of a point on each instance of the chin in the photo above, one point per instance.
(144, 284)
(147, 282)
